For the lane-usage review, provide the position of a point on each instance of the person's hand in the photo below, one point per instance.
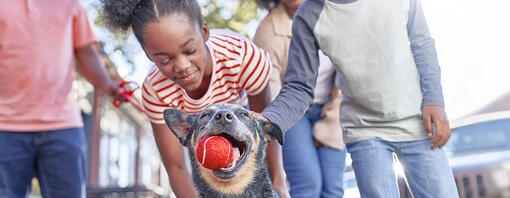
(116, 95)
(258, 116)
(112, 89)
(436, 125)
(281, 188)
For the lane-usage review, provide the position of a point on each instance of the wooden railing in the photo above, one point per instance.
(123, 160)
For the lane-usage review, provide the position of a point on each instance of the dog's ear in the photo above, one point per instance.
(179, 123)
(271, 131)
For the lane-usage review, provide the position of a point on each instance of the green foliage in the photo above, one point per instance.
(232, 14)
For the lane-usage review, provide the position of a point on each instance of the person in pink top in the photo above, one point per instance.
(41, 129)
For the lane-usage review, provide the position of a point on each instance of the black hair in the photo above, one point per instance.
(122, 15)
(267, 4)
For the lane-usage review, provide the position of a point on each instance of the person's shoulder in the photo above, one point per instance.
(307, 3)
(227, 37)
(264, 30)
(66, 5)
(73, 4)
(226, 33)
(268, 19)
(77, 7)
(310, 8)
(266, 22)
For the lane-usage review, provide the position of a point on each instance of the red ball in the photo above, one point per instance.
(214, 152)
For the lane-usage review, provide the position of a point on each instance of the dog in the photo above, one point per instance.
(248, 175)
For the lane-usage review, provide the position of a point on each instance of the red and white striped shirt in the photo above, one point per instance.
(239, 69)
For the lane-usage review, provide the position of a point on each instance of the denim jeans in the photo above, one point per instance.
(427, 170)
(56, 158)
(312, 171)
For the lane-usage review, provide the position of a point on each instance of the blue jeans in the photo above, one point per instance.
(312, 171)
(56, 158)
(427, 170)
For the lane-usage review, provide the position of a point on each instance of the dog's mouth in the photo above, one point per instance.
(239, 150)
(239, 158)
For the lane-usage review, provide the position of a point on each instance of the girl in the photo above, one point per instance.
(194, 67)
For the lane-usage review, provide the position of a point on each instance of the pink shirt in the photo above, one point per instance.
(37, 65)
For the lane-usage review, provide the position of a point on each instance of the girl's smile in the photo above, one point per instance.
(177, 47)
(189, 78)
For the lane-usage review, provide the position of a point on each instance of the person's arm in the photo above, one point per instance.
(425, 56)
(170, 149)
(274, 150)
(259, 96)
(302, 68)
(173, 159)
(90, 66)
(276, 47)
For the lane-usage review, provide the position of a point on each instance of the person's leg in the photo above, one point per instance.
(427, 170)
(16, 163)
(300, 161)
(61, 163)
(332, 166)
(331, 160)
(372, 161)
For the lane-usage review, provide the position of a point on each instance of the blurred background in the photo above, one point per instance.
(471, 39)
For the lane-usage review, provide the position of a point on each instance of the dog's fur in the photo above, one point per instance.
(249, 177)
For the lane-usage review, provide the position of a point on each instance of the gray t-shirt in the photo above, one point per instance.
(385, 56)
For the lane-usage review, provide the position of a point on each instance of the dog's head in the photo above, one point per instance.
(248, 135)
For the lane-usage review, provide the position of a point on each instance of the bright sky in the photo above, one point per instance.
(473, 43)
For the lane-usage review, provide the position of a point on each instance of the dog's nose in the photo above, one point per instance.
(224, 116)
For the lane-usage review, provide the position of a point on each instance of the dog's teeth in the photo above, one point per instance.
(237, 154)
(229, 167)
(236, 157)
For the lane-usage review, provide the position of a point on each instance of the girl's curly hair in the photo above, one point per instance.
(122, 15)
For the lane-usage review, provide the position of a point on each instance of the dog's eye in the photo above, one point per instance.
(205, 115)
(245, 114)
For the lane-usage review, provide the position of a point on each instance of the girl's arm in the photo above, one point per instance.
(173, 158)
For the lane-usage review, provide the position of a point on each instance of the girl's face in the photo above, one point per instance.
(178, 49)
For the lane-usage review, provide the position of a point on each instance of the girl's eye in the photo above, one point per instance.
(191, 51)
(165, 61)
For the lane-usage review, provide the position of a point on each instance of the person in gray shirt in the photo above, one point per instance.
(391, 83)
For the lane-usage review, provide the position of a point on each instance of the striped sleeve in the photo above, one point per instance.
(152, 103)
(256, 67)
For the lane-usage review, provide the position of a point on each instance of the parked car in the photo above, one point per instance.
(350, 186)
(479, 153)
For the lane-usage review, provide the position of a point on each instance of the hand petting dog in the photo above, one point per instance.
(247, 175)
